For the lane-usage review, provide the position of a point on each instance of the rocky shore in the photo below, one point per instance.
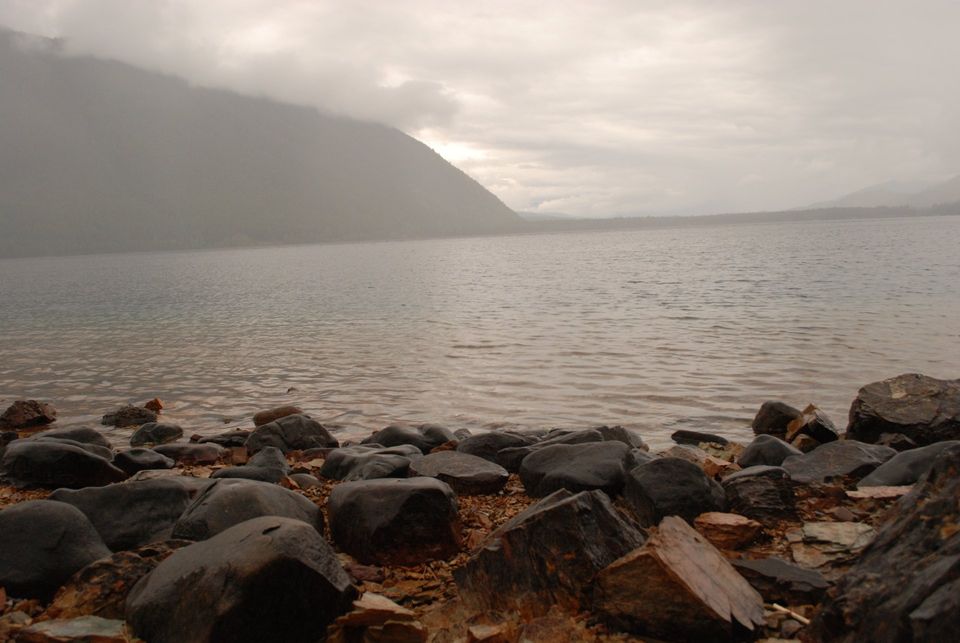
(422, 533)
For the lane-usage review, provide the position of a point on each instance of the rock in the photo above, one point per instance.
(924, 409)
(804, 443)
(395, 521)
(225, 503)
(133, 514)
(187, 453)
(6, 437)
(101, 588)
(95, 449)
(155, 405)
(622, 434)
(55, 464)
(897, 441)
(271, 415)
(678, 587)
(377, 618)
(237, 438)
(305, 480)
(576, 467)
(487, 445)
(511, 458)
(906, 467)
(82, 434)
(268, 465)
(466, 474)
(42, 544)
(766, 450)
(761, 492)
(155, 433)
(780, 582)
(289, 433)
(138, 459)
(266, 579)
(696, 437)
(815, 423)
(369, 462)
(837, 459)
(727, 531)
(129, 416)
(671, 487)
(711, 465)
(773, 418)
(547, 554)
(816, 544)
(84, 628)
(27, 414)
(425, 437)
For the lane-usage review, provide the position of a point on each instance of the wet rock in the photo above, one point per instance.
(761, 492)
(291, 432)
(267, 465)
(576, 467)
(55, 464)
(773, 418)
(678, 587)
(369, 462)
(225, 503)
(84, 628)
(924, 409)
(837, 459)
(727, 531)
(266, 579)
(138, 459)
(696, 437)
(487, 445)
(155, 433)
(188, 453)
(781, 582)
(27, 414)
(101, 588)
(236, 438)
(466, 474)
(82, 434)
(816, 544)
(133, 514)
(155, 405)
(395, 521)
(377, 618)
(766, 450)
(510, 458)
(425, 437)
(906, 467)
(671, 487)
(547, 554)
(271, 415)
(129, 416)
(814, 423)
(42, 544)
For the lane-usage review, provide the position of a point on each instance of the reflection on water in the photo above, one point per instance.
(657, 329)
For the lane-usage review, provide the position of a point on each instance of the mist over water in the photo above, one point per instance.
(654, 329)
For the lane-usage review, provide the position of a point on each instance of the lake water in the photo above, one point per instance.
(655, 329)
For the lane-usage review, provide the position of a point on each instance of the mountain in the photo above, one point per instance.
(897, 193)
(99, 156)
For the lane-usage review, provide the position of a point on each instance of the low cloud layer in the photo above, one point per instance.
(591, 109)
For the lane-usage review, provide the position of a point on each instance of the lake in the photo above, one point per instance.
(657, 329)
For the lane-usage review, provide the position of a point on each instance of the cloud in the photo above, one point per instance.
(595, 109)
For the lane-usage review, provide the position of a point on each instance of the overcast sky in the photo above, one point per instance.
(589, 108)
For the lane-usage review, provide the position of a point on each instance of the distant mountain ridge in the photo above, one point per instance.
(99, 156)
(896, 194)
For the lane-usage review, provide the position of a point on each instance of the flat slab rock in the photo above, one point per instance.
(781, 582)
(836, 460)
(679, 587)
(84, 628)
(816, 544)
(727, 531)
(466, 474)
(924, 409)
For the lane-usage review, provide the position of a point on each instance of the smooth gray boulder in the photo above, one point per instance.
(95, 449)
(269, 464)
(907, 466)
(511, 458)
(466, 474)
(156, 433)
(766, 450)
(837, 459)
(671, 487)
(577, 467)
(190, 453)
(83, 434)
(924, 409)
(369, 462)
(774, 417)
(487, 445)
(425, 437)
(139, 459)
(291, 433)
(55, 464)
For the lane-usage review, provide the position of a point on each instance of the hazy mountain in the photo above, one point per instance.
(100, 156)
(898, 193)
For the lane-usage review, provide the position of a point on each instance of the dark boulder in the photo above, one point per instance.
(761, 492)
(813, 423)
(95, 449)
(225, 503)
(836, 460)
(547, 555)
(290, 433)
(425, 437)
(671, 487)
(189, 453)
(139, 459)
(907, 466)
(924, 409)
(129, 416)
(267, 579)
(27, 414)
(134, 513)
(466, 474)
(487, 445)
(577, 467)
(766, 450)
(236, 438)
(774, 417)
(696, 438)
(305, 480)
(267, 465)
(271, 415)
(155, 433)
(82, 434)
(629, 437)
(906, 584)
(42, 544)
(369, 462)
(511, 458)
(55, 464)
(781, 582)
(395, 521)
